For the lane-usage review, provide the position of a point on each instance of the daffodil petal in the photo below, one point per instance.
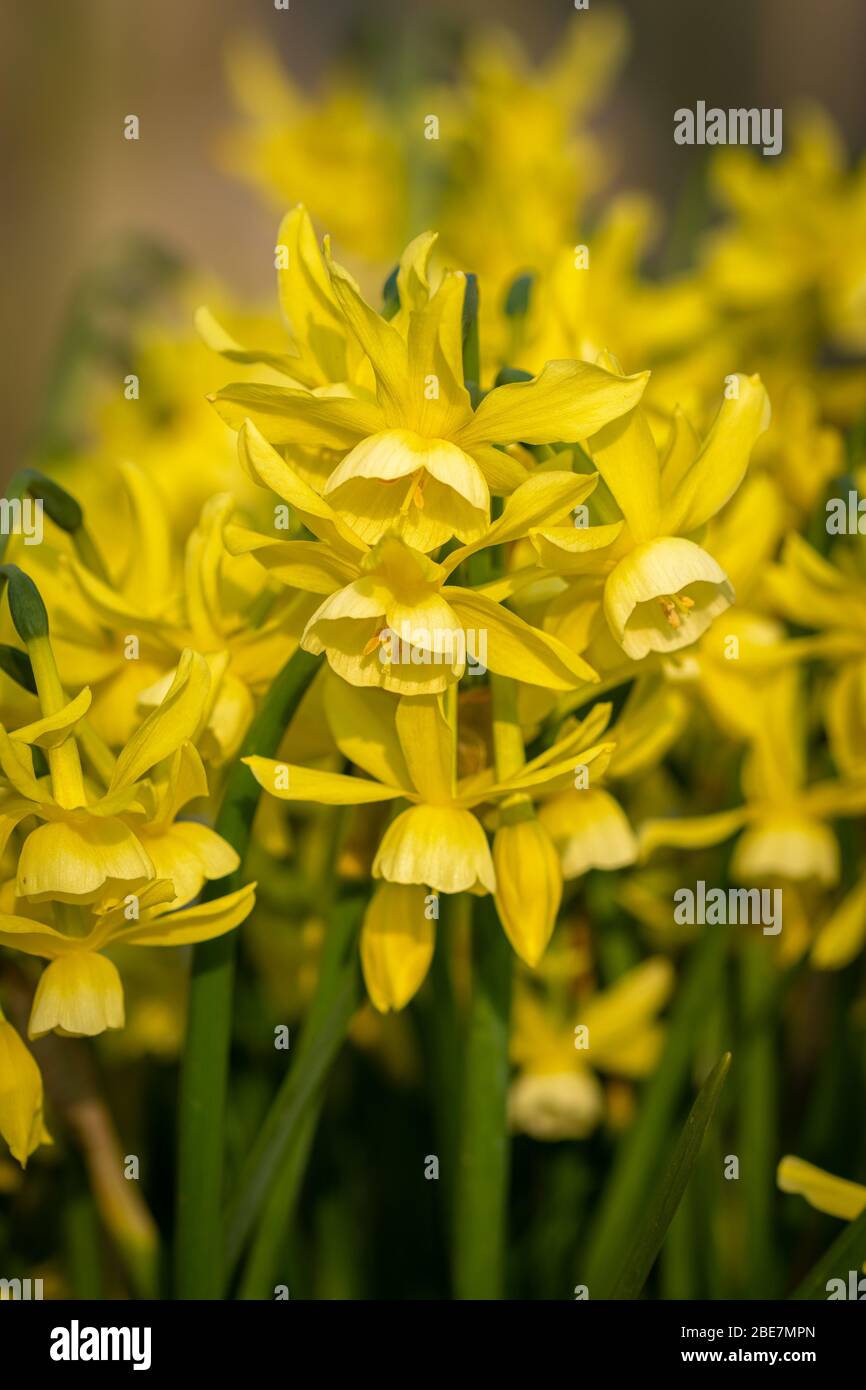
(175, 720)
(719, 468)
(261, 462)
(614, 1016)
(21, 1122)
(542, 498)
(76, 859)
(54, 729)
(566, 402)
(528, 886)
(835, 1196)
(590, 831)
(663, 596)
(364, 727)
(193, 924)
(428, 747)
(292, 783)
(397, 941)
(515, 648)
(691, 832)
(79, 995)
(841, 938)
(442, 846)
(288, 416)
(625, 454)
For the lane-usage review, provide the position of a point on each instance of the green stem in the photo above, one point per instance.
(847, 1252)
(259, 1277)
(641, 1152)
(271, 1175)
(483, 1161)
(204, 1070)
(83, 1247)
(481, 1188)
(758, 1121)
(669, 1191)
(443, 1045)
(260, 1273)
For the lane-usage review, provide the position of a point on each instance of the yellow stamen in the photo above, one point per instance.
(675, 604)
(374, 642)
(669, 610)
(415, 495)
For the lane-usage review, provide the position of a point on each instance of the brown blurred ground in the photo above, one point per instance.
(70, 72)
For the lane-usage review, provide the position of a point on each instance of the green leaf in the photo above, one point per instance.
(274, 1168)
(17, 667)
(629, 1189)
(484, 1147)
(669, 1192)
(846, 1253)
(204, 1071)
(471, 350)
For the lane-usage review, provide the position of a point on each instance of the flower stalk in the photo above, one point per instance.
(204, 1071)
(484, 1148)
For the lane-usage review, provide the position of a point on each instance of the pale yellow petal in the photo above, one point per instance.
(720, 466)
(842, 936)
(21, 1122)
(78, 995)
(397, 941)
(292, 783)
(528, 886)
(566, 402)
(589, 829)
(442, 846)
(515, 648)
(663, 596)
(835, 1196)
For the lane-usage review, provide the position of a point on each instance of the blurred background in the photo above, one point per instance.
(71, 73)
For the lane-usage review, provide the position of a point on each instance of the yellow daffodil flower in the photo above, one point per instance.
(797, 237)
(508, 126)
(784, 821)
(661, 589)
(592, 297)
(85, 848)
(390, 618)
(21, 1122)
(823, 1191)
(586, 823)
(557, 1094)
(338, 152)
(204, 599)
(830, 599)
(417, 460)
(80, 992)
(408, 748)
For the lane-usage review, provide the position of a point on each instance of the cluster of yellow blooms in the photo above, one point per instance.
(464, 481)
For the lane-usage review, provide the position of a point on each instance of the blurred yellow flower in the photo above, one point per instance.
(21, 1122)
(557, 1094)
